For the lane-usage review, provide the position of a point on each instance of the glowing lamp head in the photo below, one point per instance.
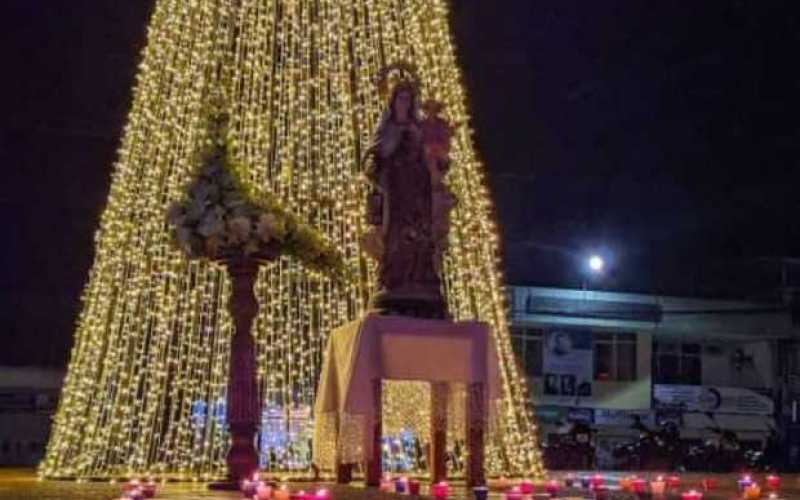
(596, 264)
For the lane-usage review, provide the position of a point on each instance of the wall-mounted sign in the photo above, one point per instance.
(585, 415)
(568, 364)
(623, 418)
(712, 399)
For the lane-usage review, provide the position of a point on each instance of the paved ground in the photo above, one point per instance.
(22, 484)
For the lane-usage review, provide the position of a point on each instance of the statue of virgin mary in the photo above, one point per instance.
(400, 209)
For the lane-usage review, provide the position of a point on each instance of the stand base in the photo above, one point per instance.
(425, 305)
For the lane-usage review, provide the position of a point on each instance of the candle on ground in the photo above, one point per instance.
(298, 495)
(440, 490)
(149, 489)
(136, 494)
(752, 492)
(552, 487)
(481, 492)
(263, 492)
(744, 482)
(773, 482)
(248, 488)
(514, 494)
(281, 493)
(131, 485)
(692, 495)
(658, 486)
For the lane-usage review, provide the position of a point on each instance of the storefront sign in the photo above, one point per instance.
(623, 418)
(548, 414)
(585, 415)
(712, 399)
(568, 364)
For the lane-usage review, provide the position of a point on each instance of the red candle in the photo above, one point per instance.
(440, 490)
(299, 495)
(639, 485)
(322, 494)
(773, 483)
(692, 495)
(514, 494)
(248, 488)
(552, 487)
(132, 485)
(149, 489)
(413, 487)
(674, 482)
(658, 487)
(601, 493)
(596, 481)
(526, 487)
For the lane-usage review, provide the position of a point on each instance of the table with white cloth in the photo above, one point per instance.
(363, 354)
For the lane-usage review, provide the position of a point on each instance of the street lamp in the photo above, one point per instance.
(596, 264)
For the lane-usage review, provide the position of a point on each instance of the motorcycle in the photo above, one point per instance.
(571, 451)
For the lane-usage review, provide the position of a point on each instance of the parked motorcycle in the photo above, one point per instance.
(572, 450)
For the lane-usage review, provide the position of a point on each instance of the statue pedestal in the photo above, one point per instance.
(364, 353)
(428, 304)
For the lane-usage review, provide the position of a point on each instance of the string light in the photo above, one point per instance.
(153, 335)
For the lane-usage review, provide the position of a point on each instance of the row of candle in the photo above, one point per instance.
(259, 490)
(657, 487)
(773, 482)
(401, 485)
(137, 490)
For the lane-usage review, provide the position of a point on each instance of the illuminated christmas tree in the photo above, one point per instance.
(146, 383)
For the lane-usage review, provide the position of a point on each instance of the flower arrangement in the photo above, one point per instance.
(218, 217)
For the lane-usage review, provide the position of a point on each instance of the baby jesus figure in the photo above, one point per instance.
(436, 135)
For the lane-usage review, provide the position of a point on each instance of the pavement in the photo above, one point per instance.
(22, 484)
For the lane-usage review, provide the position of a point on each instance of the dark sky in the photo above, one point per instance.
(663, 134)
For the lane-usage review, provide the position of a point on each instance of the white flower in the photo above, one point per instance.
(201, 190)
(238, 229)
(212, 224)
(195, 209)
(265, 227)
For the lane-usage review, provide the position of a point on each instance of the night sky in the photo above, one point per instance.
(661, 134)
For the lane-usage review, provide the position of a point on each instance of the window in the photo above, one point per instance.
(614, 356)
(527, 344)
(677, 363)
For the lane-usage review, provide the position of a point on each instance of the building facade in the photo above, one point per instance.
(611, 360)
(28, 398)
